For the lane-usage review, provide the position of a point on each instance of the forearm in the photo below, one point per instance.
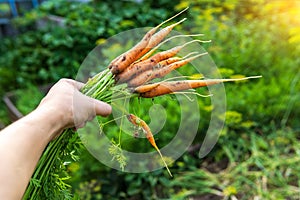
(21, 146)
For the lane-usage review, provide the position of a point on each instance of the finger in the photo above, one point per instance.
(78, 85)
(101, 108)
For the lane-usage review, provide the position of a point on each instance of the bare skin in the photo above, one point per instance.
(22, 143)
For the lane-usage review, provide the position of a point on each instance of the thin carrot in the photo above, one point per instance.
(147, 55)
(145, 65)
(168, 61)
(162, 69)
(148, 75)
(145, 88)
(148, 64)
(159, 36)
(142, 124)
(140, 79)
(133, 119)
(167, 54)
(124, 60)
(161, 72)
(174, 86)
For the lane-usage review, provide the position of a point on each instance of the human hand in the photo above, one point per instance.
(69, 107)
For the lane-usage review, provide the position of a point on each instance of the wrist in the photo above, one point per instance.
(51, 119)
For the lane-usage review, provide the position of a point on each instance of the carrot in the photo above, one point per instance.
(167, 54)
(133, 119)
(148, 75)
(168, 61)
(145, 65)
(140, 79)
(124, 60)
(147, 55)
(162, 69)
(142, 124)
(174, 86)
(159, 36)
(161, 72)
(145, 88)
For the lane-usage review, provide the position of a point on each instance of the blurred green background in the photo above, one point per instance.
(257, 154)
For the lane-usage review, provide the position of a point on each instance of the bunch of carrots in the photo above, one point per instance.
(135, 69)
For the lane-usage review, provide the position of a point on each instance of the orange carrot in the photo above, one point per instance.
(145, 65)
(148, 75)
(175, 86)
(133, 119)
(142, 124)
(124, 60)
(147, 55)
(140, 79)
(161, 72)
(168, 61)
(166, 54)
(159, 36)
(145, 88)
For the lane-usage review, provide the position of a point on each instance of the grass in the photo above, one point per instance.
(259, 165)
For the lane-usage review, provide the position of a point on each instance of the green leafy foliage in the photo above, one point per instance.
(117, 154)
(28, 99)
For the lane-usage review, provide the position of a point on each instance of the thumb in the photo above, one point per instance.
(101, 108)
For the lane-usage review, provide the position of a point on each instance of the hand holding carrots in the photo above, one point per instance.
(57, 104)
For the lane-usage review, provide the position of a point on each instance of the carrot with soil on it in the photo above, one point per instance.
(149, 74)
(145, 88)
(148, 54)
(162, 69)
(140, 79)
(124, 60)
(161, 72)
(140, 67)
(166, 62)
(142, 124)
(175, 86)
